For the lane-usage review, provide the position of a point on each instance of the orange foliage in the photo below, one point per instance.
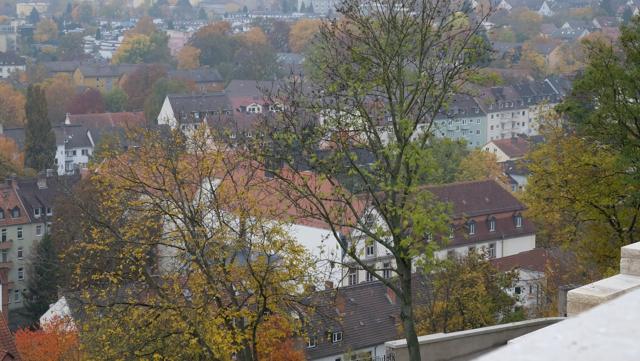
(217, 28)
(11, 158)
(276, 342)
(57, 341)
(255, 36)
(11, 106)
(188, 57)
(302, 32)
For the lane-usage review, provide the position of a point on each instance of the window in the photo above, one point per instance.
(49, 211)
(38, 230)
(492, 225)
(518, 221)
(15, 213)
(1, 213)
(370, 277)
(370, 249)
(312, 341)
(4, 235)
(336, 337)
(492, 127)
(19, 232)
(451, 232)
(518, 290)
(386, 270)
(85, 152)
(5, 255)
(74, 152)
(20, 273)
(19, 252)
(352, 276)
(472, 228)
(36, 212)
(492, 251)
(16, 295)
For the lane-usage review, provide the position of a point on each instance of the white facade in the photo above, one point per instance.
(69, 159)
(7, 70)
(368, 353)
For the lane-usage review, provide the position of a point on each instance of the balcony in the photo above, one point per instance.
(7, 264)
(6, 244)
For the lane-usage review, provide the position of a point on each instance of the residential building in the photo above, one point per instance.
(189, 111)
(11, 63)
(8, 349)
(531, 266)
(354, 324)
(101, 76)
(485, 218)
(463, 119)
(24, 8)
(508, 150)
(8, 39)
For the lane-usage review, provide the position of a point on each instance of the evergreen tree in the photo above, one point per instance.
(34, 16)
(40, 141)
(310, 8)
(41, 284)
(98, 34)
(245, 10)
(202, 15)
(303, 8)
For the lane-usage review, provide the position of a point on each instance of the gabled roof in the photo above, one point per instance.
(365, 315)
(199, 102)
(516, 147)
(532, 260)
(476, 198)
(11, 59)
(107, 120)
(9, 200)
(106, 70)
(8, 349)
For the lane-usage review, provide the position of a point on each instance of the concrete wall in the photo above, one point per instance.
(591, 295)
(465, 345)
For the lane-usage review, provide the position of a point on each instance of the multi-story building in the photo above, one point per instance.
(486, 218)
(463, 119)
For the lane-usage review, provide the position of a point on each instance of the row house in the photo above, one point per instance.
(486, 218)
(11, 63)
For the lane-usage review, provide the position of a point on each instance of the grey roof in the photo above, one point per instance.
(35, 196)
(73, 136)
(11, 59)
(367, 317)
(200, 75)
(106, 70)
(61, 66)
(199, 102)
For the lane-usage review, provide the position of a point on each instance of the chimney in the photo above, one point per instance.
(340, 303)
(42, 180)
(391, 296)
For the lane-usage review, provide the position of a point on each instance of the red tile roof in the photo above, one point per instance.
(108, 120)
(8, 350)
(516, 147)
(533, 260)
(9, 200)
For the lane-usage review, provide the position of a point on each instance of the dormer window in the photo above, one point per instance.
(451, 232)
(336, 337)
(472, 228)
(1, 213)
(15, 213)
(312, 341)
(492, 224)
(518, 220)
(36, 212)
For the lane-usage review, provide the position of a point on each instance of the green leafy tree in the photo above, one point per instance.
(256, 62)
(116, 100)
(465, 293)
(380, 79)
(159, 92)
(70, 47)
(42, 284)
(40, 141)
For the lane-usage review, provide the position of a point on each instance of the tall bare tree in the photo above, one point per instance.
(361, 120)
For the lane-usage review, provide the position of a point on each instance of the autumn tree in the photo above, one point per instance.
(11, 106)
(143, 44)
(11, 158)
(531, 59)
(279, 36)
(380, 77)
(182, 261)
(83, 12)
(59, 90)
(188, 57)
(254, 37)
(525, 24)
(464, 293)
(479, 165)
(46, 30)
(70, 47)
(301, 34)
(138, 84)
(39, 139)
(89, 101)
(56, 341)
(159, 92)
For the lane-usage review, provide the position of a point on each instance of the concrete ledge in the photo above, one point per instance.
(586, 297)
(630, 260)
(464, 345)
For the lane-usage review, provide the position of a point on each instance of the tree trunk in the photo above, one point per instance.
(406, 314)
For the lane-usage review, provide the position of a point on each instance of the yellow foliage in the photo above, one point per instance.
(255, 36)
(188, 57)
(302, 32)
(46, 30)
